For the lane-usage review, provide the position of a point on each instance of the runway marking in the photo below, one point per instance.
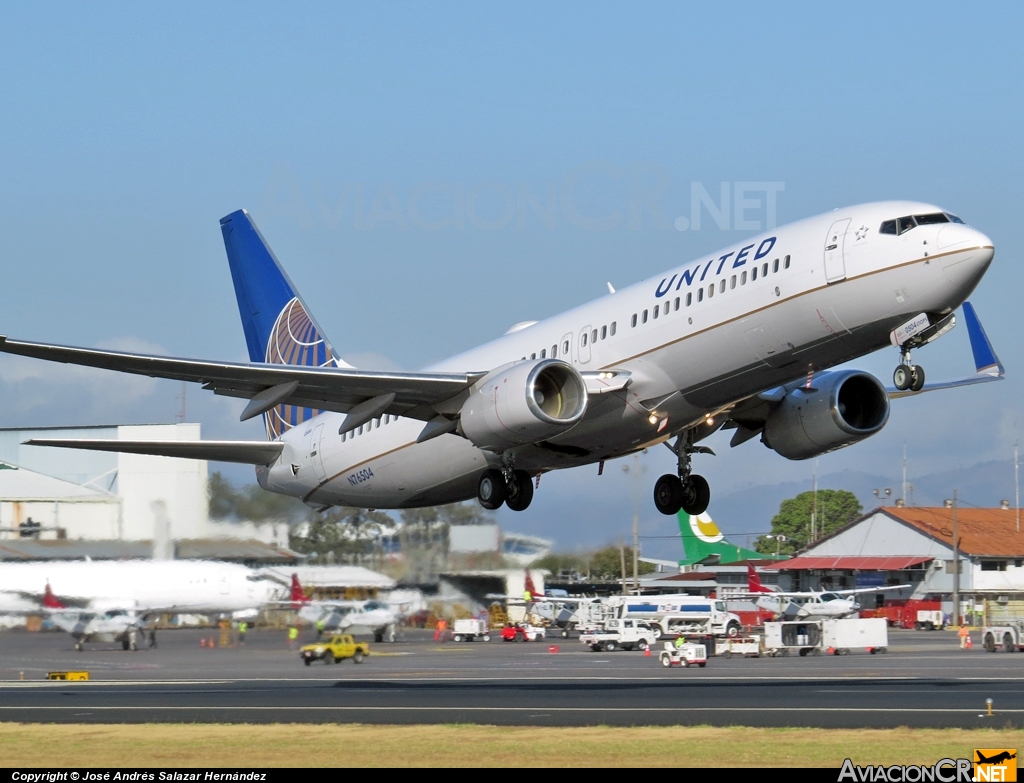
(312, 708)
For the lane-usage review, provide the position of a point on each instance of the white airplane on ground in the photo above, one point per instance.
(106, 600)
(807, 605)
(738, 339)
(352, 616)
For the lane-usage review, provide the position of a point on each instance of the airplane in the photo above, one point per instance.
(808, 605)
(352, 616)
(703, 542)
(741, 339)
(101, 600)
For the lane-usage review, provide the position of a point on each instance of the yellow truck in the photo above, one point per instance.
(335, 650)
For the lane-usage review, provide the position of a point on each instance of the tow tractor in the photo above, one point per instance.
(522, 632)
(688, 654)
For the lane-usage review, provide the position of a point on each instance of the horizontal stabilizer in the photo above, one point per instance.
(245, 451)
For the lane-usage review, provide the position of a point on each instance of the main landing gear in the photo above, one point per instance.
(686, 491)
(908, 376)
(512, 487)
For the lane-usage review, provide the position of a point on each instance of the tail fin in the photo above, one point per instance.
(50, 601)
(985, 359)
(279, 329)
(298, 595)
(754, 581)
(530, 587)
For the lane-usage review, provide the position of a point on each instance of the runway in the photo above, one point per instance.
(925, 680)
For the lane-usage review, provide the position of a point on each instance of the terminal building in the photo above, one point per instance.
(914, 545)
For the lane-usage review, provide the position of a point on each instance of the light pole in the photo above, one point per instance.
(779, 539)
(637, 471)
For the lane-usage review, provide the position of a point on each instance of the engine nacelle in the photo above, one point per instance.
(526, 403)
(844, 408)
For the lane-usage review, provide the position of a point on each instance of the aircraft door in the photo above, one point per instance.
(225, 582)
(583, 346)
(565, 347)
(835, 263)
(315, 457)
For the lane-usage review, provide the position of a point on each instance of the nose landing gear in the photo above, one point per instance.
(908, 376)
(686, 491)
(512, 487)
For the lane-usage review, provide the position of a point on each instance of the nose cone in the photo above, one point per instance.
(965, 254)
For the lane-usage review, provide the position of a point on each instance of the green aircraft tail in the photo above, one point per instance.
(702, 540)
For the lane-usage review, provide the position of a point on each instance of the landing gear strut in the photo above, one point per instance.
(686, 491)
(908, 376)
(512, 487)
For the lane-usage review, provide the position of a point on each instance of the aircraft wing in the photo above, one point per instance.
(791, 595)
(269, 385)
(243, 451)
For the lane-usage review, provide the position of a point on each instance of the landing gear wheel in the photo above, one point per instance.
(903, 377)
(520, 493)
(916, 377)
(668, 494)
(491, 490)
(696, 495)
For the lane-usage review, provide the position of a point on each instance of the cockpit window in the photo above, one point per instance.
(926, 220)
(904, 224)
(954, 219)
(888, 227)
(829, 597)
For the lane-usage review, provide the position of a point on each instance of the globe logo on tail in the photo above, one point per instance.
(294, 340)
(705, 528)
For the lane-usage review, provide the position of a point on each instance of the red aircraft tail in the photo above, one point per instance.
(298, 594)
(754, 581)
(50, 601)
(531, 588)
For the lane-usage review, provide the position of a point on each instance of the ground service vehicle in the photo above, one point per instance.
(745, 646)
(471, 629)
(1009, 637)
(627, 634)
(335, 650)
(841, 636)
(688, 654)
(679, 614)
(522, 632)
(929, 620)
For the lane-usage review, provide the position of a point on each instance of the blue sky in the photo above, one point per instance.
(401, 160)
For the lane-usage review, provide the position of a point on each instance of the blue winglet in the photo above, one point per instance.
(985, 359)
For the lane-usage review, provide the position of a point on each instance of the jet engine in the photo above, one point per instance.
(525, 403)
(842, 408)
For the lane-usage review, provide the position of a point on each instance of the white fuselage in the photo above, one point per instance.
(703, 335)
(139, 586)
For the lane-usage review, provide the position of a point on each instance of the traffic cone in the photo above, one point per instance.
(968, 643)
(647, 652)
(831, 651)
(202, 641)
(553, 648)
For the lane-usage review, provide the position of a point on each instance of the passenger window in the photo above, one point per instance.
(904, 224)
(634, 319)
(721, 286)
(732, 282)
(533, 356)
(689, 299)
(583, 339)
(700, 294)
(764, 269)
(928, 220)
(344, 437)
(565, 347)
(711, 290)
(643, 317)
(888, 227)
(604, 332)
(554, 351)
(786, 265)
(656, 308)
(743, 277)
(677, 303)
(593, 336)
(544, 353)
(360, 430)
(775, 265)
(753, 274)
(612, 330)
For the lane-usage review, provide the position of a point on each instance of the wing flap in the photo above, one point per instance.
(243, 451)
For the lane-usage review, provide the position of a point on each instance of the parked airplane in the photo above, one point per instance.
(740, 339)
(808, 605)
(352, 616)
(106, 600)
(703, 542)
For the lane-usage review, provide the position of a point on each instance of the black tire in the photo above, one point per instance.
(990, 643)
(457, 638)
(124, 645)
(1008, 644)
(916, 378)
(668, 494)
(643, 645)
(328, 658)
(595, 648)
(666, 661)
(491, 490)
(307, 661)
(902, 377)
(696, 495)
(727, 654)
(732, 630)
(520, 494)
(378, 638)
(565, 633)
(702, 665)
(358, 657)
(609, 646)
(78, 646)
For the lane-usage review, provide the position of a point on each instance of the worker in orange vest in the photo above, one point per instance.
(965, 637)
